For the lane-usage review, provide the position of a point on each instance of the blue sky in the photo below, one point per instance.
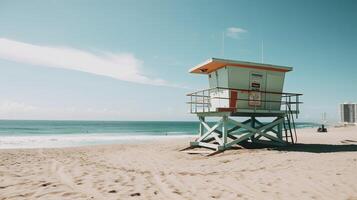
(128, 60)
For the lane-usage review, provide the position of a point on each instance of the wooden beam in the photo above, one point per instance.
(224, 130)
(260, 131)
(242, 125)
(208, 127)
(238, 127)
(208, 145)
(271, 137)
(231, 136)
(209, 131)
(215, 135)
(202, 120)
(240, 139)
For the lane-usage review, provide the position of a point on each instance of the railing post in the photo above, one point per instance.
(196, 103)
(297, 105)
(204, 101)
(191, 104)
(280, 130)
(209, 100)
(202, 120)
(224, 130)
(285, 101)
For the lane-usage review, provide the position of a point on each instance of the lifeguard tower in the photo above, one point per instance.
(240, 90)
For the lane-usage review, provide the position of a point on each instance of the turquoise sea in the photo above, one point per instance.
(46, 133)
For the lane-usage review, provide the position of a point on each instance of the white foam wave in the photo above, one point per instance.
(51, 141)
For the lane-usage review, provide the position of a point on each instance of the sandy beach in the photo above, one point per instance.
(322, 166)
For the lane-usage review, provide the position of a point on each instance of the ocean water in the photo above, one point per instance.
(47, 134)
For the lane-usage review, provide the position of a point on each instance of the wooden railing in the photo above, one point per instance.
(231, 100)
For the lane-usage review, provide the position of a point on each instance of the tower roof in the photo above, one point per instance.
(214, 64)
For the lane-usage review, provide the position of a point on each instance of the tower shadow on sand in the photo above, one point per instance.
(309, 148)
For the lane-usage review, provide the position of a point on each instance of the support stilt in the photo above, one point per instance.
(233, 132)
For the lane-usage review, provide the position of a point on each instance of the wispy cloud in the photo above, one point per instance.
(123, 66)
(235, 32)
(20, 110)
(7, 107)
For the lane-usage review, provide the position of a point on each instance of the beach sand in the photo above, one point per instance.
(323, 167)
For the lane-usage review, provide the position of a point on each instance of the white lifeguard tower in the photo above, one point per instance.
(243, 89)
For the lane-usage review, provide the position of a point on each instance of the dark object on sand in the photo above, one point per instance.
(322, 129)
(135, 194)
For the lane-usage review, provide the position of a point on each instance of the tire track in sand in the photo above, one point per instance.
(58, 170)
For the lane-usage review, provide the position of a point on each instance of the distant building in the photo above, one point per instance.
(348, 112)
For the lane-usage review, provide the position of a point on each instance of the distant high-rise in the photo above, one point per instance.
(348, 113)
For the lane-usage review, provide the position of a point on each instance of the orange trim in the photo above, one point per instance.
(259, 67)
(213, 66)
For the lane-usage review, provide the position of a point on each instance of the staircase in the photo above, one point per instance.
(289, 126)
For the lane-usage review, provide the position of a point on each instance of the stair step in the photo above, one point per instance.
(199, 151)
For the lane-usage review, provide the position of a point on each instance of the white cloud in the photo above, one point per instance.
(19, 110)
(235, 32)
(122, 66)
(8, 107)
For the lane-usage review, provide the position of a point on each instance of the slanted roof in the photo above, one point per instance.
(214, 64)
